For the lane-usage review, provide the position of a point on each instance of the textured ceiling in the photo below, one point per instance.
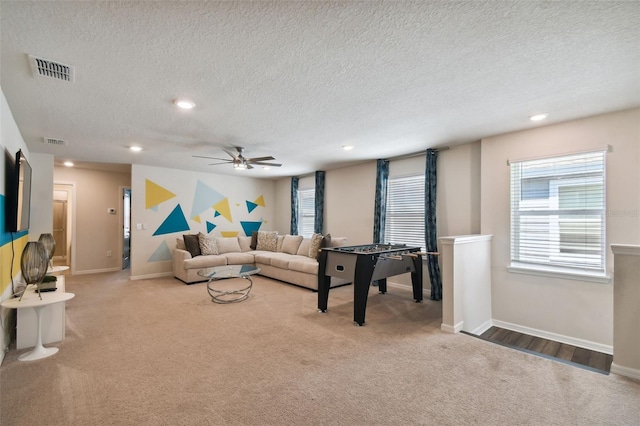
(298, 80)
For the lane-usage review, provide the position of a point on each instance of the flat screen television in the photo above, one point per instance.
(18, 195)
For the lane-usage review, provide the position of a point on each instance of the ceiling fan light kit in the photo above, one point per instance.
(239, 161)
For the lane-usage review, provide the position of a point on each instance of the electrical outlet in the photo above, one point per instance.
(109, 254)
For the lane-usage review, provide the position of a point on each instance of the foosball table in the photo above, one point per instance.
(364, 264)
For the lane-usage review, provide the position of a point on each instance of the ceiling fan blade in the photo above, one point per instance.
(261, 163)
(231, 154)
(211, 158)
(260, 159)
(222, 162)
(249, 166)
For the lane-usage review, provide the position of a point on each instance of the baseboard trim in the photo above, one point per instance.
(586, 344)
(149, 276)
(97, 271)
(482, 328)
(625, 371)
(426, 293)
(451, 328)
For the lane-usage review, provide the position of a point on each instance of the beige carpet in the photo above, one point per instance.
(158, 352)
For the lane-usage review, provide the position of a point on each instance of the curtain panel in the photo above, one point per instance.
(294, 205)
(430, 234)
(318, 219)
(380, 209)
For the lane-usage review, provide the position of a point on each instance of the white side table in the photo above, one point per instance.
(31, 300)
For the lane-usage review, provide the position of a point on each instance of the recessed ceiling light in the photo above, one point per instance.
(135, 148)
(68, 164)
(347, 147)
(538, 117)
(184, 104)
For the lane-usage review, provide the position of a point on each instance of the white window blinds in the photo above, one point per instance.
(558, 212)
(404, 222)
(306, 211)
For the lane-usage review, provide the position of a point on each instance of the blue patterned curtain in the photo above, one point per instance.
(379, 214)
(318, 219)
(430, 234)
(294, 206)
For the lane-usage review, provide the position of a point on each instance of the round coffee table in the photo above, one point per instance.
(224, 290)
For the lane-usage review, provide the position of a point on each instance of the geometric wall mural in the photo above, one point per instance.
(155, 194)
(210, 226)
(222, 207)
(251, 206)
(229, 234)
(175, 222)
(161, 254)
(250, 227)
(204, 198)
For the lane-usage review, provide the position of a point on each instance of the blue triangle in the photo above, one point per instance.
(210, 226)
(251, 206)
(249, 227)
(175, 222)
(216, 214)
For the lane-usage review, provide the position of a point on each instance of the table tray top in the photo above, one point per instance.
(229, 271)
(31, 299)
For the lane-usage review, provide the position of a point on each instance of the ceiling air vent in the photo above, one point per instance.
(51, 141)
(46, 68)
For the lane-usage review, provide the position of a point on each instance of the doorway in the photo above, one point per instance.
(62, 223)
(126, 227)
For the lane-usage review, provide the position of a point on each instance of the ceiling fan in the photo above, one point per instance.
(239, 161)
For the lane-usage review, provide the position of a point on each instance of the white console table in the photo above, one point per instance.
(45, 323)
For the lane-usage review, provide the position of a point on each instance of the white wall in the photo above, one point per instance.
(147, 250)
(577, 309)
(10, 141)
(458, 198)
(41, 220)
(349, 202)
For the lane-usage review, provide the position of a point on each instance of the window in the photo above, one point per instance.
(404, 222)
(306, 211)
(558, 213)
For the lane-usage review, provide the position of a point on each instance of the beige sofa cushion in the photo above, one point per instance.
(303, 250)
(180, 244)
(245, 243)
(228, 245)
(239, 258)
(291, 243)
(200, 262)
(304, 264)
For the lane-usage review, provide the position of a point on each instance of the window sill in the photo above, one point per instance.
(558, 273)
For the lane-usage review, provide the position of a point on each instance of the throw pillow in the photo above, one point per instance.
(279, 241)
(227, 245)
(191, 244)
(267, 240)
(291, 243)
(314, 247)
(254, 240)
(303, 250)
(207, 244)
(180, 244)
(326, 241)
(245, 243)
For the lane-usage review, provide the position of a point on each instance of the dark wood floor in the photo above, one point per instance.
(561, 351)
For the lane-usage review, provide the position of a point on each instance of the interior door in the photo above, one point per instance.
(60, 227)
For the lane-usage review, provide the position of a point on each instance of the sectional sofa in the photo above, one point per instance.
(288, 258)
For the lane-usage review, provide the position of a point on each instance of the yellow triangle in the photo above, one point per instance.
(155, 194)
(197, 219)
(223, 208)
(260, 201)
(229, 233)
